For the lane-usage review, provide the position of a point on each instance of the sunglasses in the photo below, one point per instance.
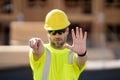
(54, 32)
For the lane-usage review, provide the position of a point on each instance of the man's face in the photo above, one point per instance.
(58, 38)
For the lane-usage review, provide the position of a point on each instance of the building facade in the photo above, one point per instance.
(100, 18)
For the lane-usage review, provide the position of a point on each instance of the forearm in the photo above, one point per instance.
(80, 60)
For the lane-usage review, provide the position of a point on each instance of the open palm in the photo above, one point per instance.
(79, 41)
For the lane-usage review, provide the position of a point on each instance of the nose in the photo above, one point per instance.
(57, 34)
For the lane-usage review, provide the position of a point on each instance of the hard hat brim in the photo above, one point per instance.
(47, 27)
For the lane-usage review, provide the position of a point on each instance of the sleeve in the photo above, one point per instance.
(78, 70)
(36, 63)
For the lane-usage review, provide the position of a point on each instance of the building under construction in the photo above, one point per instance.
(99, 17)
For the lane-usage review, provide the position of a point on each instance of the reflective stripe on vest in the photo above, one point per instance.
(70, 57)
(47, 63)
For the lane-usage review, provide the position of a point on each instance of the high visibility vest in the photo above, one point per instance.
(47, 64)
(44, 69)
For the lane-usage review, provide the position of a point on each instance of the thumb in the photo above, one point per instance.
(68, 46)
(39, 44)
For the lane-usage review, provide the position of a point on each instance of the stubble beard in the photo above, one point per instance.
(57, 45)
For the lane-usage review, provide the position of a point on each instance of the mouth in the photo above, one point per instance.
(58, 40)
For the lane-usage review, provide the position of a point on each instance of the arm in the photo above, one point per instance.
(80, 60)
(37, 47)
(78, 46)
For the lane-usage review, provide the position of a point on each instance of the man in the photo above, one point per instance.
(58, 60)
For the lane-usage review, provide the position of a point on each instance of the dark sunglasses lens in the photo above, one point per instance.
(54, 33)
(57, 31)
(60, 33)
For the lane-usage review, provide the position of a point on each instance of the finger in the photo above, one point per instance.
(38, 43)
(73, 34)
(77, 32)
(32, 43)
(85, 36)
(67, 31)
(81, 34)
(35, 43)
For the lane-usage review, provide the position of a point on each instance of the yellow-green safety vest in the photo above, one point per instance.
(52, 66)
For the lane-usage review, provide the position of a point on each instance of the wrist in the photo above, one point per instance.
(82, 55)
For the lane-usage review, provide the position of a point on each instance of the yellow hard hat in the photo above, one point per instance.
(55, 20)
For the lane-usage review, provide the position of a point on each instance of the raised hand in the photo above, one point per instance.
(36, 45)
(79, 41)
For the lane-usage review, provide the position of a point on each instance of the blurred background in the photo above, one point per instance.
(21, 20)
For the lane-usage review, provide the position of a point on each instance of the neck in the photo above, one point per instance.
(57, 47)
(60, 48)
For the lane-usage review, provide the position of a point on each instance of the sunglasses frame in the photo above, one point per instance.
(54, 32)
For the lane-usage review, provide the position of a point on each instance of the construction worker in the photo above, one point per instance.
(58, 60)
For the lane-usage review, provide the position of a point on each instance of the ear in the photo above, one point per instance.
(67, 31)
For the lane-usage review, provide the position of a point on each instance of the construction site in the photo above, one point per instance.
(21, 20)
